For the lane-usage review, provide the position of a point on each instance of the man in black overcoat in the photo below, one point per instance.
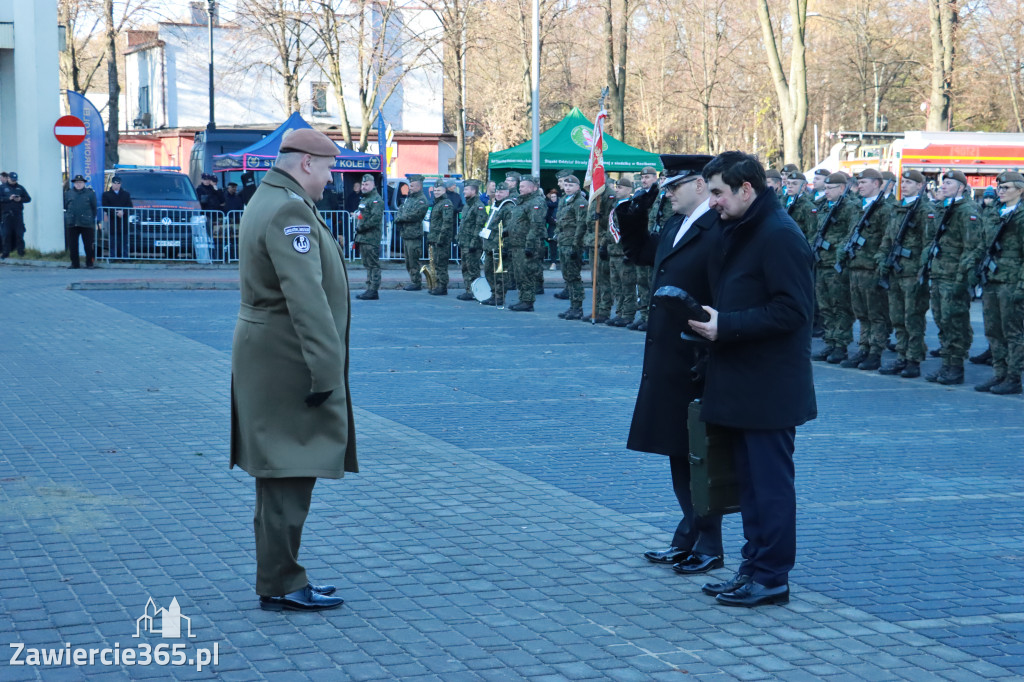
(758, 383)
(682, 255)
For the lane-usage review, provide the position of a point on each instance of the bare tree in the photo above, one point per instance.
(113, 86)
(454, 17)
(83, 58)
(791, 92)
(279, 23)
(328, 24)
(616, 52)
(944, 16)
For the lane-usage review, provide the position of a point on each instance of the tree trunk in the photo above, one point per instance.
(339, 97)
(616, 68)
(460, 122)
(113, 87)
(791, 93)
(943, 16)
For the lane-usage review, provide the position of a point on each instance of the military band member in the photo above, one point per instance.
(1002, 295)
(832, 289)
(442, 227)
(648, 177)
(908, 298)
(369, 226)
(623, 272)
(498, 224)
(799, 206)
(474, 217)
(572, 228)
(868, 300)
(951, 256)
(409, 222)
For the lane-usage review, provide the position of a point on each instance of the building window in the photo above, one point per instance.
(319, 99)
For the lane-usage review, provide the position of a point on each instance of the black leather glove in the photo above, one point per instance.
(317, 399)
(602, 252)
(529, 253)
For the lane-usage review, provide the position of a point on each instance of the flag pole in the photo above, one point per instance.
(595, 171)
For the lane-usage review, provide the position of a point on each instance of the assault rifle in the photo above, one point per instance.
(988, 264)
(933, 249)
(892, 260)
(857, 240)
(819, 243)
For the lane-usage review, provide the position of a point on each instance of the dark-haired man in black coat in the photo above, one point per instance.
(683, 255)
(758, 381)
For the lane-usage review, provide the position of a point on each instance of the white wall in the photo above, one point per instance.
(29, 107)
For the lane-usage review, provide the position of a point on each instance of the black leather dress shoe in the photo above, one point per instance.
(695, 564)
(322, 589)
(301, 600)
(754, 594)
(733, 583)
(666, 556)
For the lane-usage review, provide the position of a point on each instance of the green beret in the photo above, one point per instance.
(563, 173)
(529, 178)
(956, 175)
(624, 182)
(572, 179)
(368, 178)
(1010, 176)
(475, 184)
(513, 174)
(439, 182)
(415, 178)
(649, 170)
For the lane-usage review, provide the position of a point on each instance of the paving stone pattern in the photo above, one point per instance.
(495, 531)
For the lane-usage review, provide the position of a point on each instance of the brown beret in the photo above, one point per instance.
(1010, 176)
(624, 182)
(772, 173)
(572, 179)
(837, 178)
(869, 174)
(308, 141)
(888, 175)
(649, 170)
(914, 175)
(368, 178)
(956, 175)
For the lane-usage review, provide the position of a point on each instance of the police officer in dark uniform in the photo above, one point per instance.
(13, 198)
(114, 201)
(210, 198)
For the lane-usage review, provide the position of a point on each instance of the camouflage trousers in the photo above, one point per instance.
(521, 269)
(870, 306)
(570, 260)
(470, 267)
(623, 277)
(951, 310)
(1004, 327)
(495, 279)
(440, 254)
(833, 292)
(643, 289)
(603, 286)
(908, 303)
(371, 261)
(413, 253)
(535, 266)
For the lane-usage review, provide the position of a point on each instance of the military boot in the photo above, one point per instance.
(853, 360)
(438, 291)
(912, 370)
(489, 301)
(988, 385)
(539, 291)
(617, 322)
(563, 294)
(935, 375)
(1010, 386)
(983, 358)
(465, 296)
(562, 314)
(823, 354)
(954, 374)
(368, 296)
(574, 314)
(871, 363)
(935, 352)
(412, 287)
(894, 368)
(522, 307)
(642, 327)
(837, 356)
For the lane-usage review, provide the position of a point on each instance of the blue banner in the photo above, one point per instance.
(88, 158)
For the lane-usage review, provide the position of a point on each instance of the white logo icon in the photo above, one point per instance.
(301, 243)
(170, 621)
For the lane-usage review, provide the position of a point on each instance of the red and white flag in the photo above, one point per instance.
(595, 167)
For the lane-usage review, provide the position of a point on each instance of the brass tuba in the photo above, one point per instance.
(428, 270)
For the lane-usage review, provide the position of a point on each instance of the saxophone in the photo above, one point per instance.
(428, 270)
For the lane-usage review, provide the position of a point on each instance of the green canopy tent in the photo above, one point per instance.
(567, 145)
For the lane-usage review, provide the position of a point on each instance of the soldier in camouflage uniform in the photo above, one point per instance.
(529, 224)
(512, 179)
(409, 222)
(1003, 293)
(571, 225)
(648, 176)
(369, 224)
(799, 206)
(442, 227)
(474, 217)
(908, 298)
(949, 251)
(622, 271)
(601, 274)
(832, 288)
(869, 301)
(773, 179)
(818, 188)
(499, 221)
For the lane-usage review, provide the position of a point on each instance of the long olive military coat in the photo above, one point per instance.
(291, 339)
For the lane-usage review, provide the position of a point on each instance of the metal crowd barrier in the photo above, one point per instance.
(166, 234)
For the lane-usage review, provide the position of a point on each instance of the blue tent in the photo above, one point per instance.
(260, 156)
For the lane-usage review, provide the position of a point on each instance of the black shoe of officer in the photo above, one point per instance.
(368, 296)
(894, 368)
(522, 307)
(983, 358)
(912, 370)
(466, 296)
(730, 585)
(563, 294)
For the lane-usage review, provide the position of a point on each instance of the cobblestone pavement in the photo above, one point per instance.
(495, 531)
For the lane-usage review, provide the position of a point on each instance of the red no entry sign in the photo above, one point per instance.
(69, 131)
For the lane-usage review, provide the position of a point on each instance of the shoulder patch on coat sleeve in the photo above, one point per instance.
(301, 244)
